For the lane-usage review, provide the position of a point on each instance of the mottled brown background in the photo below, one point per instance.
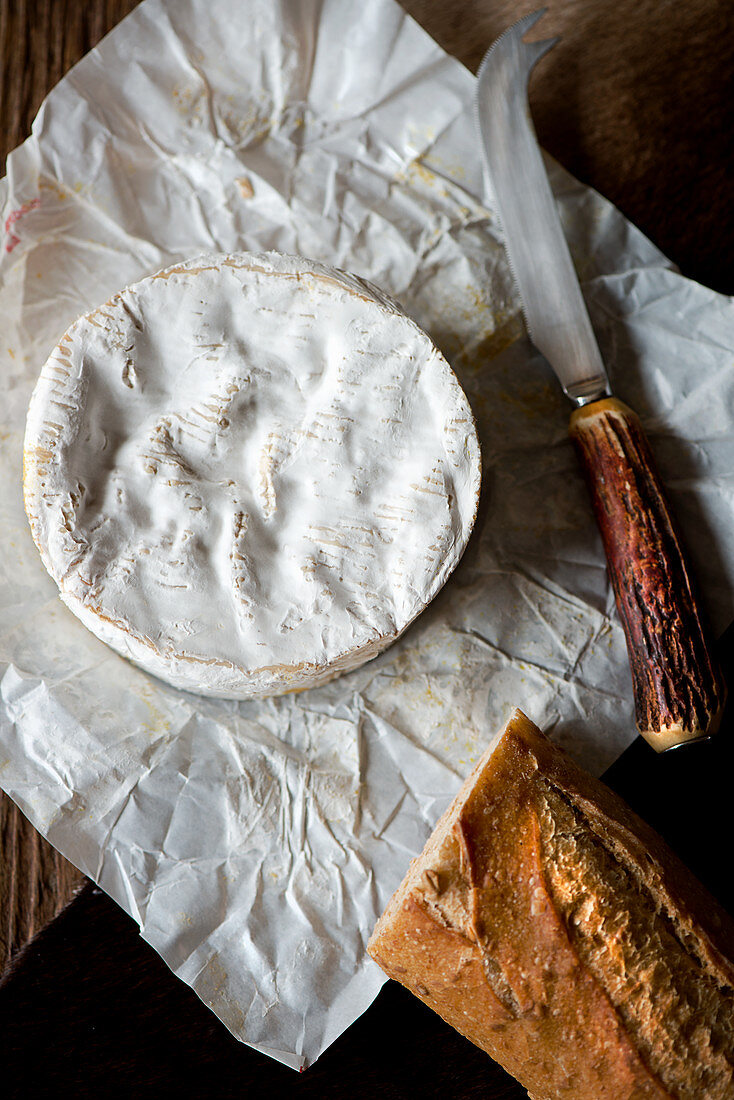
(636, 100)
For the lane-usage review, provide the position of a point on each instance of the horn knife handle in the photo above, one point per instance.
(678, 687)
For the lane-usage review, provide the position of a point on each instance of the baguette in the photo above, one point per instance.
(553, 928)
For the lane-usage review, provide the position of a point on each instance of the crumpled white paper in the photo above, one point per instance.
(256, 843)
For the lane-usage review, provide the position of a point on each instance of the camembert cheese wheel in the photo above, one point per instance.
(249, 473)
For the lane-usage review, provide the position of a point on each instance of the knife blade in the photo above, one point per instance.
(678, 688)
(554, 308)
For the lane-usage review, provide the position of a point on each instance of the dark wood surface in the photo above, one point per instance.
(637, 101)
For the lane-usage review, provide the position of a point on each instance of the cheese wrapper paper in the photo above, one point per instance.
(256, 843)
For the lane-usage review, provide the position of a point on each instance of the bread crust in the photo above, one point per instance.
(480, 931)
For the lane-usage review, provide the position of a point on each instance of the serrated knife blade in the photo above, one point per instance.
(554, 308)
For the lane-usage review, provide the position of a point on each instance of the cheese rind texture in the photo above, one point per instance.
(249, 473)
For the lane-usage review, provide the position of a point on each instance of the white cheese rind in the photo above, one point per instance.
(249, 473)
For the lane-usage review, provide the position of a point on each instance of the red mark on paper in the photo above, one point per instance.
(15, 216)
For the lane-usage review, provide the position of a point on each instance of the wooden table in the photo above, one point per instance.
(637, 100)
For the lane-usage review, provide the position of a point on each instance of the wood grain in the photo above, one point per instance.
(35, 881)
(637, 100)
(39, 41)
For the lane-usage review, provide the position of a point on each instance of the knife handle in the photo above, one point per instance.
(677, 683)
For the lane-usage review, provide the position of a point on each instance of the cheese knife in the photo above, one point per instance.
(678, 688)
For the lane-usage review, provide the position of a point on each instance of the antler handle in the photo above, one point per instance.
(678, 687)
